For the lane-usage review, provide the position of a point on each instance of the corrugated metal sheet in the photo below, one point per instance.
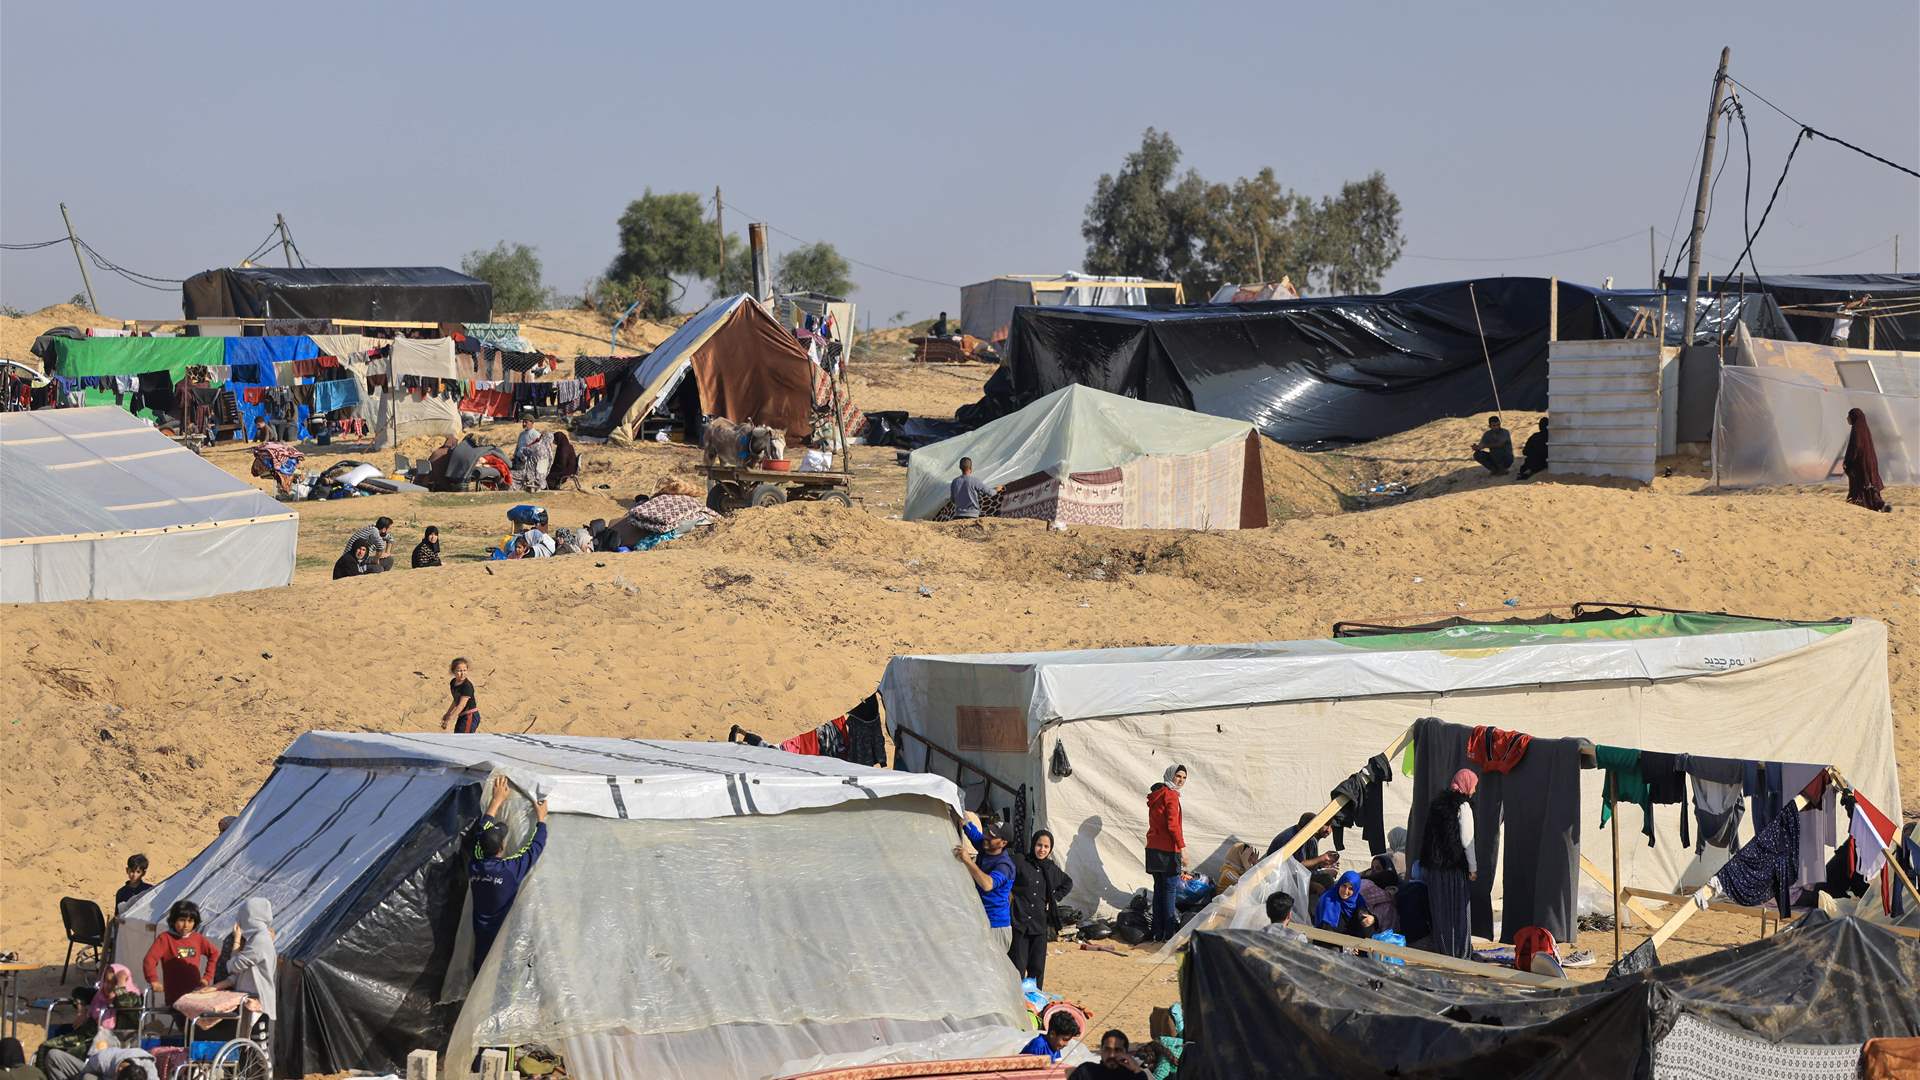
(1605, 399)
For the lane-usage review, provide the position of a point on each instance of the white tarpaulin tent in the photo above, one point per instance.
(1774, 426)
(98, 505)
(1268, 730)
(701, 909)
(399, 415)
(1087, 456)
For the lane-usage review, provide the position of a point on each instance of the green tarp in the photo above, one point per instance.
(1635, 628)
(78, 357)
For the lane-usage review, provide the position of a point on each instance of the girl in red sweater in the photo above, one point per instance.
(1166, 850)
(182, 958)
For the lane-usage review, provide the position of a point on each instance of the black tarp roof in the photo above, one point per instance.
(1329, 369)
(1827, 290)
(1252, 999)
(376, 293)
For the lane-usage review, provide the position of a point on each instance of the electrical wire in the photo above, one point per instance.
(1712, 190)
(844, 255)
(1518, 258)
(1746, 202)
(261, 248)
(32, 247)
(1809, 129)
(134, 276)
(1747, 251)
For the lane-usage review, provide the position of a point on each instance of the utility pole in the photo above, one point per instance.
(1653, 267)
(1700, 198)
(762, 274)
(1259, 264)
(87, 280)
(720, 233)
(286, 242)
(1896, 253)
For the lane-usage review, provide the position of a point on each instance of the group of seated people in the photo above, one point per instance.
(368, 550)
(1359, 903)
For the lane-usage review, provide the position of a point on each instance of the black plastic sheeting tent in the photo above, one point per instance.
(1253, 1001)
(1826, 292)
(1327, 369)
(377, 294)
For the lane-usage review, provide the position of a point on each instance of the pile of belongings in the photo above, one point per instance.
(673, 510)
(346, 478)
(958, 349)
(463, 465)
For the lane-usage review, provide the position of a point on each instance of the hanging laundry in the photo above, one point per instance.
(297, 327)
(1767, 868)
(1819, 823)
(1719, 804)
(1497, 750)
(1666, 778)
(1624, 779)
(1363, 806)
(1872, 834)
(1766, 789)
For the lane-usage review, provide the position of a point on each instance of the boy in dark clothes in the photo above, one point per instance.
(493, 876)
(136, 882)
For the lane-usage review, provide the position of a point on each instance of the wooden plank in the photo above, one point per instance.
(1640, 911)
(1436, 960)
(1727, 906)
(164, 530)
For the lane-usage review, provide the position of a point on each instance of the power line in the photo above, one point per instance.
(1811, 130)
(32, 247)
(844, 255)
(1517, 258)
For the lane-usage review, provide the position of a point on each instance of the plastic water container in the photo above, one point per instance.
(1391, 937)
(203, 1050)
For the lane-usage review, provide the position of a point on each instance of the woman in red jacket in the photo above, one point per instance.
(1166, 850)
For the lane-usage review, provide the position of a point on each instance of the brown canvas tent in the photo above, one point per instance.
(745, 365)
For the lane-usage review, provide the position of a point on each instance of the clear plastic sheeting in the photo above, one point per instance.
(1244, 905)
(1784, 427)
(731, 946)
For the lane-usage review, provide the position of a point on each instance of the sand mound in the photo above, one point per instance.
(18, 331)
(1298, 485)
(570, 332)
(1432, 459)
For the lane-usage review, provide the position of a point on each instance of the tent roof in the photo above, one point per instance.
(1083, 684)
(627, 778)
(71, 472)
(1074, 429)
(401, 293)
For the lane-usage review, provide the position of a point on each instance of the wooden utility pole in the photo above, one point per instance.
(762, 273)
(87, 280)
(1700, 198)
(1653, 266)
(286, 242)
(720, 232)
(1260, 264)
(1896, 253)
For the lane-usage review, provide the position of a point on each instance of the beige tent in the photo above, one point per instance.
(1267, 730)
(745, 366)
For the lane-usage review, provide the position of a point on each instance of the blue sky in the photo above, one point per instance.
(949, 143)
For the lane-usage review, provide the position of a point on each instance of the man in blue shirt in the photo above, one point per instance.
(493, 876)
(1062, 1029)
(992, 872)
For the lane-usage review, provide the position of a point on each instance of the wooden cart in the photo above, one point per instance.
(732, 487)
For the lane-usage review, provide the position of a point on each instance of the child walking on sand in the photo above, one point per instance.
(463, 716)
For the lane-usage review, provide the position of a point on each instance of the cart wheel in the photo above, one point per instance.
(767, 495)
(241, 1059)
(840, 497)
(720, 498)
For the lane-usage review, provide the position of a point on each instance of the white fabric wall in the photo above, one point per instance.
(410, 417)
(729, 946)
(1772, 426)
(159, 566)
(1254, 770)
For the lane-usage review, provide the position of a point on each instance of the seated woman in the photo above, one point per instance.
(1342, 910)
(352, 563)
(252, 958)
(566, 462)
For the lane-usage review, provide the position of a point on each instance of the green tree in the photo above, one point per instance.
(514, 272)
(816, 267)
(1152, 221)
(666, 241)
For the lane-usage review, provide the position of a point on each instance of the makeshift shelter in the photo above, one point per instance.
(1799, 1003)
(701, 909)
(1086, 456)
(986, 308)
(745, 366)
(96, 505)
(1813, 303)
(1776, 426)
(429, 294)
(1332, 369)
(1073, 740)
(400, 414)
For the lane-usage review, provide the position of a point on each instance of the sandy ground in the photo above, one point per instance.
(18, 331)
(136, 726)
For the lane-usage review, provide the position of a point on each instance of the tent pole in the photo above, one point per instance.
(1613, 810)
(1489, 356)
(1305, 832)
(1705, 892)
(1893, 863)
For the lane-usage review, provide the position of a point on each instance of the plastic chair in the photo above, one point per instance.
(86, 929)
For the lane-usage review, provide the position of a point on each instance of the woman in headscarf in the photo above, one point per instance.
(253, 958)
(1862, 465)
(1038, 887)
(427, 552)
(1342, 910)
(533, 460)
(1166, 850)
(1448, 866)
(566, 463)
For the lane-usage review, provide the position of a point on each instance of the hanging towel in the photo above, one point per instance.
(335, 394)
(1622, 765)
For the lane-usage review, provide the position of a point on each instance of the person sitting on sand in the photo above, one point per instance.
(939, 328)
(493, 876)
(378, 537)
(969, 495)
(1062, 1029)
(1533, 456)
(1116, 1061)
(427, 551)
(353, 562)
(1342, 910)
(1494, 451)
(532, 543)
